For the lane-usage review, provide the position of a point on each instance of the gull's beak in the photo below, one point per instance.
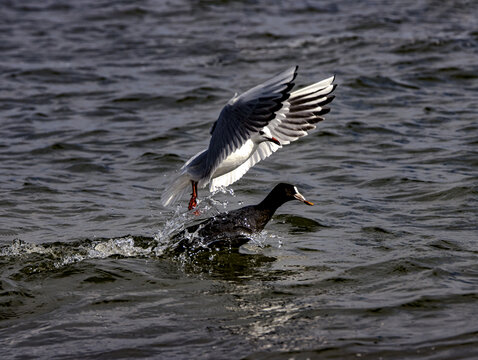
(300, 197)
(274, 140)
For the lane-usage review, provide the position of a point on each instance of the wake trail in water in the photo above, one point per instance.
(56, 255)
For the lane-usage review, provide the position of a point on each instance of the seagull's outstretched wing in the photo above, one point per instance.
(245, 115)
(298, 114)
(304, 108)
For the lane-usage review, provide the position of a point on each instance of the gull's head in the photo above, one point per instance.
(264, 135)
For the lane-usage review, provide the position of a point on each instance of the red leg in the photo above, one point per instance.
(192, 202)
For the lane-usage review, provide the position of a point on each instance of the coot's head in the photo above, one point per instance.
(289, 192)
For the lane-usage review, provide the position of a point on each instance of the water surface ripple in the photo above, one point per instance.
(101, 101)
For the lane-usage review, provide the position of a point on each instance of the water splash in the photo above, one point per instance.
(180, 219)
(19, 247)
(58, 255)
(122, 246)
(264, 238)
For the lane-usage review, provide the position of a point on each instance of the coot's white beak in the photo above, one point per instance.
(300, 197)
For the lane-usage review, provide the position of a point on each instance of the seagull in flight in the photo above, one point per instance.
(249, 129)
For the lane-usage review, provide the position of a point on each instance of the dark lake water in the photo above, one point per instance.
(102, 101)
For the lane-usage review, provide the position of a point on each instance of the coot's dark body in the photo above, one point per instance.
(231, 230)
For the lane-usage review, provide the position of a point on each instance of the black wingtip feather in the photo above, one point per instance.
(325, 110)
(328, 100)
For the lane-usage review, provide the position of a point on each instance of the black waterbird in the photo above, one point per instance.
(232, 229)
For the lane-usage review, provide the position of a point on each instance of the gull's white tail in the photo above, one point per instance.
(175, 190)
